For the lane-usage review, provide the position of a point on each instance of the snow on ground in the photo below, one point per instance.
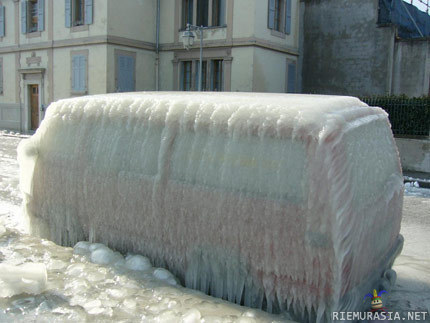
(91, 282)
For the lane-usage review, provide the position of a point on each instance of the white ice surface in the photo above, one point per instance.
(27, 278)
(79, 290)
(412, 291)
(256, 198)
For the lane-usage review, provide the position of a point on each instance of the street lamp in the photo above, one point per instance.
(188, 41)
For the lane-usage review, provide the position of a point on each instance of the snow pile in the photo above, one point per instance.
(28, 278)
(280, 202)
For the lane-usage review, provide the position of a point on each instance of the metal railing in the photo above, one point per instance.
(408, 116)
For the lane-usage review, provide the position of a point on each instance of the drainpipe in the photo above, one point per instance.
(157, 49)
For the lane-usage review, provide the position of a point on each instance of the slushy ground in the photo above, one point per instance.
(79, 290)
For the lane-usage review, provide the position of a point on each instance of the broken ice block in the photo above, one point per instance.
(281, 202)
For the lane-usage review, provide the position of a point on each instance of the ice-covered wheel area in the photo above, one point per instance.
(280, 202)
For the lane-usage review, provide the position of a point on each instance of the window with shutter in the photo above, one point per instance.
(79, 74)
(125, 73)
(280, 16)
(78, 12)
(2, 21)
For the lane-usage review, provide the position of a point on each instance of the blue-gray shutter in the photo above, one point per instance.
(82, 73)
(68, 13)
(288, 17)
(291, 85)
(79, 72)
(24, 6)
(75, 73)
(41, 15)
(88, 12)
(2, 21)
(1, 77)
(126, 67)
(271, 15)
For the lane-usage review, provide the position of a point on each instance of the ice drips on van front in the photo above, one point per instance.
(249, 197)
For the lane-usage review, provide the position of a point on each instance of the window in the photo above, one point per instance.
(204, 75)
(279, 16)
(32, 16)
(78, 12)
(216, 75)
(186, 75)
(125, 71)
(2, 22)
(79, 73)
(203, 12)
(212, 75)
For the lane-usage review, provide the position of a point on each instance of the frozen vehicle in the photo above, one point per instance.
(275, 201)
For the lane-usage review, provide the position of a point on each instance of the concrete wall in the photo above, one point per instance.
(414, 154)
(344, 50)
(242, 69)
(411, 73)
(166, 71)
(270, 70)
(133, 19)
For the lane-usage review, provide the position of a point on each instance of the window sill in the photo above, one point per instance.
(34, 34)
(79, 93)
(79, 28)
(279, 34)
(207, 27)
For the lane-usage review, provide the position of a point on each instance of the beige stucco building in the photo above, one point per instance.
(54, 49)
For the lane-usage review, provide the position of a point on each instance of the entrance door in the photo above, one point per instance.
(34, 106)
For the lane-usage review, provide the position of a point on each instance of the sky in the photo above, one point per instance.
(419, 5)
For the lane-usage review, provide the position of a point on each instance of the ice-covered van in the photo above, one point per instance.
(276, 201)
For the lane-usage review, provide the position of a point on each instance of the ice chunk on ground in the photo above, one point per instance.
(28, 278)
(104, 256)
(137, 262)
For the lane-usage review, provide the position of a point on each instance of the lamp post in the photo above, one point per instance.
(188, 41)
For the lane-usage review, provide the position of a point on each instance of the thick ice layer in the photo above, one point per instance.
(262, 199)
(28, 278)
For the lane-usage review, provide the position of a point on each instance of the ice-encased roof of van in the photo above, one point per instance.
(228, 111)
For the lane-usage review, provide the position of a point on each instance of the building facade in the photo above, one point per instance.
(51, 50)
(366, 48)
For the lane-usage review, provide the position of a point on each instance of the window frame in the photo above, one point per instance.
(282, 14)
(210, 15)
(73, 8)
(87, 14)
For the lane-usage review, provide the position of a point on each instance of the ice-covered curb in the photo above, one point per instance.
(100, 254)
